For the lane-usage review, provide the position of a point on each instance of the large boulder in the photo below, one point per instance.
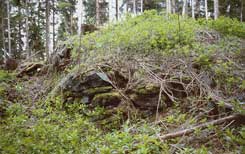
(108, 89)
(90, 88)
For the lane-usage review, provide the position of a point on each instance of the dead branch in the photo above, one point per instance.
(235, 117)
(30, 69)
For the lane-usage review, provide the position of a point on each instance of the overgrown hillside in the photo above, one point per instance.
(150, 84)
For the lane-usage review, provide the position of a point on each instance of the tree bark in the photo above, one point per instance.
(188, 131)
(28, 51)
(81, 34)
(193, 8)
(184, 9)
(9, 31)
(3, 37)
(198, 4)
(71, 23)
(19, 32)
(38, 13)
(173, 6)
(142, 6)
(216, 9)
(241, 13)
(168, 3)
(117, 10)
(97, 13)
(47, 29)
(206, 9)
(53, 25)
(134, 7)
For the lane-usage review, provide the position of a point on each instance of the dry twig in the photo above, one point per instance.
(201, 126)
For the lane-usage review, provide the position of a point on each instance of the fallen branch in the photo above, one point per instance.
(236, 117)
(30, 68)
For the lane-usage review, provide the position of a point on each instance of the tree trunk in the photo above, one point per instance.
(228, 8)
(9, 31)
(216, 9)
(117, 10)
(134, 7)
(193, 8)
(173, 6)
(80, 34)
(241, 13)
(142, 6)
(71, 23)
(38, 13)
(184, 9)
(28, 51)
(97, 13)
(47, 29)
(198, 4)
(3, 35)
(168, 3)
(206, 9)
(53, 25)
(19, 32)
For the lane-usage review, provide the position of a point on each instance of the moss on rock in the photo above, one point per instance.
(97, 90)
(147, 89)
(107, 99)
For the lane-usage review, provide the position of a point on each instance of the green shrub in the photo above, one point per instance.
(142, 34)
(59, 132)
(228, 26)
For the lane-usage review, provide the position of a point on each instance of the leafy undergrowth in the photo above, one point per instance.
(202, 60)
(56, 131)
(44, 131)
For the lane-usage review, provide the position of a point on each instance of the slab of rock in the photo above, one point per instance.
(91, 87)
(146, 97)
(95, 88)
(81, 83)
(111, 99)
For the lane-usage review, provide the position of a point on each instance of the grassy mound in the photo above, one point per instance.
(202, 59)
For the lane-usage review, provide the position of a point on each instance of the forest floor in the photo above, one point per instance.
(136, 87)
